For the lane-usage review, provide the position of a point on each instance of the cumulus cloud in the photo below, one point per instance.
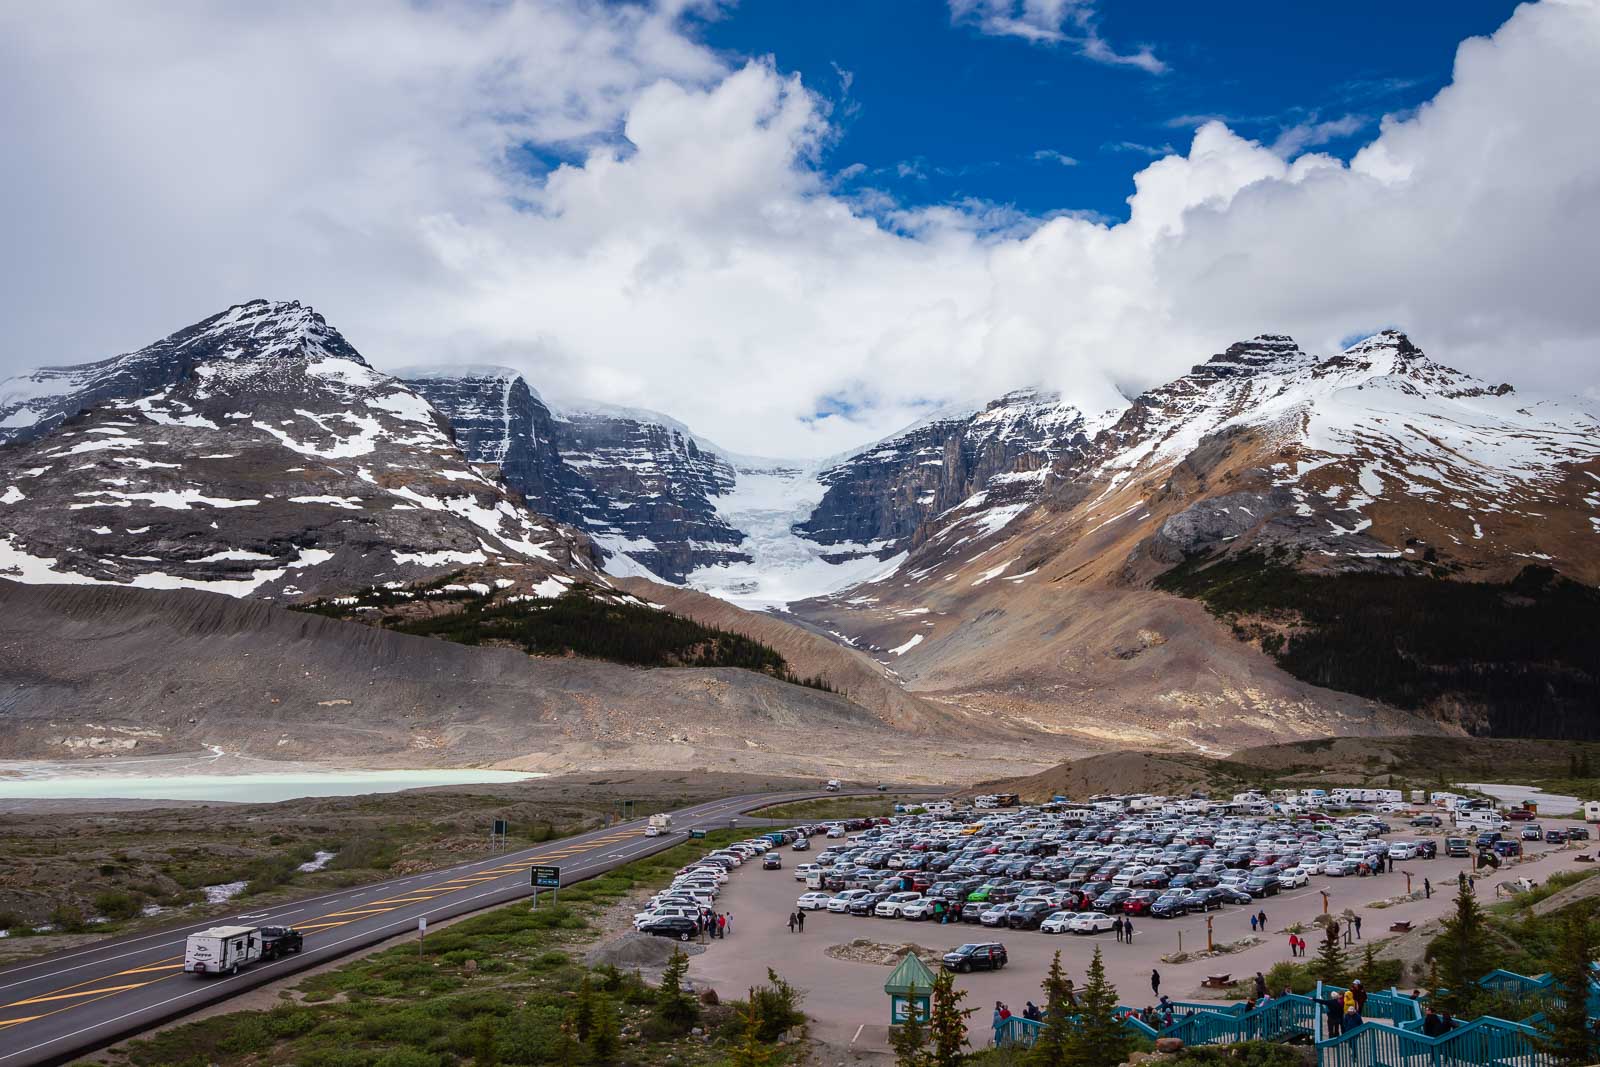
(582, 191)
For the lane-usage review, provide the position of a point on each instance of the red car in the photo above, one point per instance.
(1139, 903)
(1519, 815)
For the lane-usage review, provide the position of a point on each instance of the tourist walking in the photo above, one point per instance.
(1155, 982)
(1427, 889)
(1119, 931)
(1261, 917)
(791, 922)
(800, 919)
(1357, 923)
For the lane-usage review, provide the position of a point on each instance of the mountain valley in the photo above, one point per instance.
(1018, 578)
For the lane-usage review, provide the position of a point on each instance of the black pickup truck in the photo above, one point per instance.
(280, 941)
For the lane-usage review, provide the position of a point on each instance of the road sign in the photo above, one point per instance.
(697, 833)
(546, 877)
(501, 827)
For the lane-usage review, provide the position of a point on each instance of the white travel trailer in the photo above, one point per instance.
(221, 950)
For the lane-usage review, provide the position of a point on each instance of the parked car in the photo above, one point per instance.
(813, 901)
(1058, 922)
(679, 927)
(978, 956)
(1093, 922)
(1427, 820)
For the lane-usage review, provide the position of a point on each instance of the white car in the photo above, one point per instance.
(842, 901)
(891, 907)
(1058, 922)
(813, 901)
(665, 910)
(1092, 922)
(921, 908)
(835, 831)
(802, 871)
(1402, 850)
(1292, 878)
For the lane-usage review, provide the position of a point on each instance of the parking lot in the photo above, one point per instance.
(845, 996)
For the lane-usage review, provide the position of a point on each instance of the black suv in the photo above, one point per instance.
(679, 926)
(280, 941)
(980, 956)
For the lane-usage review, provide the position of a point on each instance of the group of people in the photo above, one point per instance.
(1344, 1010)
(1124, 929)
(1002, 1012)
(1437, 1024)
(714, 923)
(1258, 921)
(797, 921)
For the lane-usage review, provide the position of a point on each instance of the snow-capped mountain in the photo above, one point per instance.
(1376, 453)
(985, 465)
(640, 484)
(255, 453)
(38, 401)
(663, 501)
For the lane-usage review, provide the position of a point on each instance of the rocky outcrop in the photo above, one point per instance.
(879, 500)
(638, 483)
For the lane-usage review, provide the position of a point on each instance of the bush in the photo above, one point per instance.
(116, 905)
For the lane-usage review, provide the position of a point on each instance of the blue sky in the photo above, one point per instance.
(939, 112)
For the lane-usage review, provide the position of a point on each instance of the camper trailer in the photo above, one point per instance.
(221, 950)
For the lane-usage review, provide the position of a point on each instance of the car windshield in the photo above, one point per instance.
(965, 949)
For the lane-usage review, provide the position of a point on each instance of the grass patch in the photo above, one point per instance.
(580, 622)
(497, 988)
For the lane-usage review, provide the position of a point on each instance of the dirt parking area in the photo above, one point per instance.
(845, 998)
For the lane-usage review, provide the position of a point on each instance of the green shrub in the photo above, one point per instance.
(116, 905)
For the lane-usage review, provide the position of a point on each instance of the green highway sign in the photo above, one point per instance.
(697, 833)
(546, 877)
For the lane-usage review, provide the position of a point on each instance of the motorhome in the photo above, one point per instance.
(221, 950)
(659, 824)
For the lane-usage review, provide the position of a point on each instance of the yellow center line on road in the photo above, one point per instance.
(79, 993)
(152, 967)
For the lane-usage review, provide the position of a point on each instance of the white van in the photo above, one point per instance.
(1482, 820)
(221, 950)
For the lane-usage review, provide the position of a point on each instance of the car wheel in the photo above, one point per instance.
(963, 968)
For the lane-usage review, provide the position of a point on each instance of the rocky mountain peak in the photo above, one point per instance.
(257, 332)
(1267, 353)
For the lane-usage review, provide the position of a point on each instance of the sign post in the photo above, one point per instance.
(497, 836)
(546, 877)
(422, 932)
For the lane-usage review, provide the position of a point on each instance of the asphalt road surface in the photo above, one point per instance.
(58, 1007)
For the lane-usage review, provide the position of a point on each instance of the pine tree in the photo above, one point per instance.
(1571, 1041)
(909, 1040)
(751, 1051)
(583, 1010)
(565, 1053)
(485, 1053)
(1052, 1047)
(1369, 963)
(1098, 1039)
(947, 1023)
(675, 1007)
(1462, 951)
(603, 1040)
(1330, 966)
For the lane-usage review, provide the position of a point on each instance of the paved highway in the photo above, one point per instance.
(58, 1007)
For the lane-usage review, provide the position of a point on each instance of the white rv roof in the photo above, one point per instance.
(226, 931)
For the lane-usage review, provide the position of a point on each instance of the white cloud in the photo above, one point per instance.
(1069, 22)
(691, 255)
(1050, 155)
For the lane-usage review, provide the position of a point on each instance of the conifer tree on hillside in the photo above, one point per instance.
(1053, 1046)
(1098, 1037)
(1463, 952)
(909, 1040)
(947, 1023)
(1330, 966)
(1571, 1040)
